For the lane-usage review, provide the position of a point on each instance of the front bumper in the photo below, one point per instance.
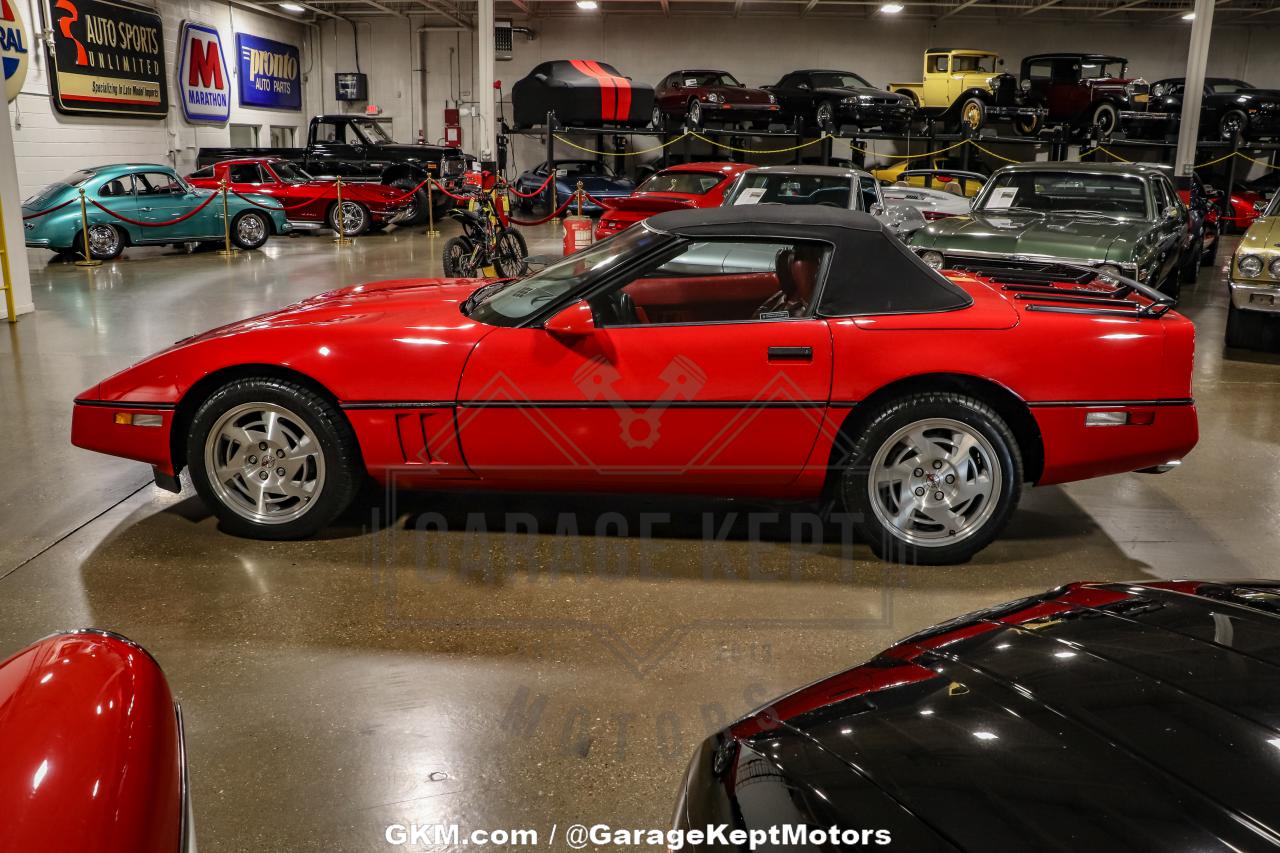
(1015, 111)
(739, 111)
(1248, 296)
(874, 114)
(94, 426)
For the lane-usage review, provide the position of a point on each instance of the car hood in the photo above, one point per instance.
(859, 91)
(741, 94)
(1117, 714)
(1263, 236)
(1056, 235)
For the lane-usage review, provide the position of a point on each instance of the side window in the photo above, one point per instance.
(870, 192)
(156, 184)
(327, 131)
(720, 281)
(243, 173)
(937, 63)
(116, 187)
(1042, 70)
(206, 172)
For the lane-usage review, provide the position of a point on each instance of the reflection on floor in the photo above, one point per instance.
(449, 666)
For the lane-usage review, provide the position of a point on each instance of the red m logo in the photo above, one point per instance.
(206, 64)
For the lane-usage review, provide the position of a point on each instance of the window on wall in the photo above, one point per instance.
(281, 137)
(244, 136)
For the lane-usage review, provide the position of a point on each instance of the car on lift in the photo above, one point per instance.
(142, 204)
(581, 93)
(1089, 91)
(698, 96)
(92, 750)
(1253, 314)
(828, 100)
(1095, 716)
(936, 193)
(1123, 219)
(306, 201)
(1228, 108)
(827, 186)
(968, 89)
(358, 147)
(815, 358)
(673, 188)
(892, 173)
(599, 182)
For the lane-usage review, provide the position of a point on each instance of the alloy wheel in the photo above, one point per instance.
(823, 116)
(935, 482)
(104, 241)
(352, 218)
(265, 463)
(250, 229)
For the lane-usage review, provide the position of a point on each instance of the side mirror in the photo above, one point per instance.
(876, 210)
(1173, 212)
(575, 321)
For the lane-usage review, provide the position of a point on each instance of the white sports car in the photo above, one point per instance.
(937, 194)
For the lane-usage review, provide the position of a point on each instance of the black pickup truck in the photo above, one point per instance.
(358, 148)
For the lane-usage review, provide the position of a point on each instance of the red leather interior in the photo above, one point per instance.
(702, 298)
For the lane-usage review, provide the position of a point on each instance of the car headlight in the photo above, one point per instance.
(1157, 90)
(1273, 268)
(850, 100)
(715, 97)
(933, 260)
(1250, 265)
(1025, 85)
(773, 99)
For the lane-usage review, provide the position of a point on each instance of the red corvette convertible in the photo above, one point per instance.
(310, 202)
(763, 351)
(673, 188)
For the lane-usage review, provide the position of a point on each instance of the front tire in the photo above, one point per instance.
(932, 479)
(250, 230)
(1233, 123)
(272, 459)
(511, 254)
(458, 259)
(353, 221)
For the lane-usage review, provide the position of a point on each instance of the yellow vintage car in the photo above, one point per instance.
(963, 87)
(1253, 315)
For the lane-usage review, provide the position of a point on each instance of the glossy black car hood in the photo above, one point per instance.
(848, 91)
(1095, 717)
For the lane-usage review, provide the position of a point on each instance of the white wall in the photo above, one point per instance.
(50, 145)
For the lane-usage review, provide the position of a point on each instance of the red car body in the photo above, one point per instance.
(91, 750)
(701, 96)
(308, 202)
(1244, 209)
(673, 188)
(681, 406)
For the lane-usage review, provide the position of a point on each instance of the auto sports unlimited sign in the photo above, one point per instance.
(269, 73)
(203, 82)
(13, 48)
(107, 57)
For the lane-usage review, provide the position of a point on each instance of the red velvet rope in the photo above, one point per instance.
(49, 210)
(141, 224)
(533, 194)
(599, 202)
(446, 192)
(415, 189)
(550, 216)
(281, 207)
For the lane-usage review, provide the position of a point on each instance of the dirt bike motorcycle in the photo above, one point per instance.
(487, 240)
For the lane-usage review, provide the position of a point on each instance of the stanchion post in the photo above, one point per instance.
(431, 211)
(579, 195)
(88, 260)
(4, 271)
(342, 238)
(227, 249)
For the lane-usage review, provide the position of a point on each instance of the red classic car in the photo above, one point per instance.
(765, 351)
(309, 202)
(673, 188)
(699, 95)
(91, 748)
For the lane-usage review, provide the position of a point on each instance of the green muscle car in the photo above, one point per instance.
(1118, 217)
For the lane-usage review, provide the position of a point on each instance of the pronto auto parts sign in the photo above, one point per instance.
(270, 74)
(203, 82)
(107, 57)
(13, 48)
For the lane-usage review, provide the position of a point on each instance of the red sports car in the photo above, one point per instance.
(673, 188)
(765, 351)
(309, 202)
(698, 96)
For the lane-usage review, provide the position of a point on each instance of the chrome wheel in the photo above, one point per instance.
(971, 115)
(823, 116)
(656, 121)
(352, 219)
(104, 241)
(251, 230)
(695, 113)
(264, 463)
(935, 482)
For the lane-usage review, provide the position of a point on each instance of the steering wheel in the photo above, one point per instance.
(625, 309)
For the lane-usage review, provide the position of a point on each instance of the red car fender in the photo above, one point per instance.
(91, 750)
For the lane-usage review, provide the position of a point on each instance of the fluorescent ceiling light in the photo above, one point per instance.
(293, 7)
(588, 4)
(1190, 16)
(891, 8)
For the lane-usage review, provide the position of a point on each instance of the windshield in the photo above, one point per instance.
(840, 80)
(684, 183)
(373, 131)
(709, 78)
(1273, 209)
(521, 299)
(783, 188)
(289, 173)
(985, 64)
(1094, 69)
(1119, 196)
(1228, 87)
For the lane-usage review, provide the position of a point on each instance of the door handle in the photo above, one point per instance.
(790, 353)
(146, 209)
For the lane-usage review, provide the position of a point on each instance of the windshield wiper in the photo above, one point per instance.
(1075, 212)
(1015, 209)
(480, 294)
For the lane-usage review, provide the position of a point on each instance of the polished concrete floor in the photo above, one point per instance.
(385, 674)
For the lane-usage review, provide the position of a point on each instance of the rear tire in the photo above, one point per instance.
(1254, 330)
(1210, 256)
(1105, 117)
(106, 243)
(1232, 123)
(298, 439)
(1028, 125)
(973, 114)
(250, 230)
(927, 461)
(1189, 267)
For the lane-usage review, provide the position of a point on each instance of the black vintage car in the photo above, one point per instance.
(1097, 716)
(1230, 107)
(1089, 90)
(580, 92)
(830, 99)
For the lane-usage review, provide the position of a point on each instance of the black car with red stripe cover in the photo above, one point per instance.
(582, 92)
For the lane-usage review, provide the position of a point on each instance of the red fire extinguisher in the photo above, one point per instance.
(578, 232)
(452, 128)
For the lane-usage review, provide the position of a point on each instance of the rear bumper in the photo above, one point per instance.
(1255, 297)
(1074, 451)
(94, 427)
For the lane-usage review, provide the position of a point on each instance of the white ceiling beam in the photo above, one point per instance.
(965, 5)
(267, 10)
(1120, 8)
(440, 8)
(809, 7)
(1039, 6)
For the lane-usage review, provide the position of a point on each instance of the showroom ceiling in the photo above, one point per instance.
(1132, 11)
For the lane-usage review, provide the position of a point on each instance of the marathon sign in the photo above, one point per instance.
(13, 48)
(203, 81)
(270, 74)
(106, 57)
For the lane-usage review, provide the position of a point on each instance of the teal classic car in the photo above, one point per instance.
(1117, 217)
(154, 206)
